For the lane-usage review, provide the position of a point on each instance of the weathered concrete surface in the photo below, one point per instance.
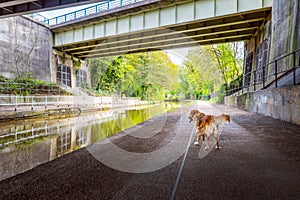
(26, 45)
(277, 38)
(259, 159)
(26, 50)
(280, 103)
(285, 28)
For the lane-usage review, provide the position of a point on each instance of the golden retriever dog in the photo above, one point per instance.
(195, 116)
(208, 126)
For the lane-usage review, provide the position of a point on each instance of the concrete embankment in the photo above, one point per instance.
(280, 103)
(21, 107)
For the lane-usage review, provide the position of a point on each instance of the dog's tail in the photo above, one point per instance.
(221, 119)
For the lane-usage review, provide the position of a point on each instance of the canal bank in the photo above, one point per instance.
(24, 107)
(258, 159)
(29, 142)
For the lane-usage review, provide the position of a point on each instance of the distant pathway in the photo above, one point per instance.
(259, 159)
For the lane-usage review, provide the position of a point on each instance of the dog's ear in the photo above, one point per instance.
(199, 122)
(228, 118)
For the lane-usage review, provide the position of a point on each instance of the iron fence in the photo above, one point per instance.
(23, 103)
(10, 103)
(270, 74)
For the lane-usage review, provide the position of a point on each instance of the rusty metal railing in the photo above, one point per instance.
(270, 74)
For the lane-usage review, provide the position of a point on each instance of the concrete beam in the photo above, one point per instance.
(206, 20)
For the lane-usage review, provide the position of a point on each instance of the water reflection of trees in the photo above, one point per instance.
(26, 144)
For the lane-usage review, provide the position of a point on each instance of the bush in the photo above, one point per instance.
(28, 86)
(3, 79)
(234, 85)
(221, 94)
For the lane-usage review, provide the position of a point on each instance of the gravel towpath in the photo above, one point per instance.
(157, 159)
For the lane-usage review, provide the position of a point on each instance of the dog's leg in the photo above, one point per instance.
(198, 138)
(216, 134)
(216, 143)
(207, 143)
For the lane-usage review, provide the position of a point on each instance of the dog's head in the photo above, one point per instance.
(193, 113)
(199, 116)
(226, 117)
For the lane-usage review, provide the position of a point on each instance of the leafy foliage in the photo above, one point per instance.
(228, 60)
(152, 76)
(210, 69)
(200, 76)
(28, 86)
(145, 75)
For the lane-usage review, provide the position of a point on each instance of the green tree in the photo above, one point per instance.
(229, 60)
(107, 73)
(146, 75)
(199, 75)
(208, 68)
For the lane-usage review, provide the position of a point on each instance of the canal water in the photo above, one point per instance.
(25, 144)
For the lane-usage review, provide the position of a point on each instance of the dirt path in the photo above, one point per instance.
(258, 159)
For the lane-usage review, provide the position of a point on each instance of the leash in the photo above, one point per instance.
(182, 164)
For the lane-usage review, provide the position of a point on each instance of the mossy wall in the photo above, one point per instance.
(285, 27)
(282, 33)
(280, 103)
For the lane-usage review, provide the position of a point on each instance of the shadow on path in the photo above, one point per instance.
(258, 159)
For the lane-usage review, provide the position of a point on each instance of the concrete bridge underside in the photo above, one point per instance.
(147, 27)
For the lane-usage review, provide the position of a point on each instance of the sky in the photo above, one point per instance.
(177, 56)
(55, 13)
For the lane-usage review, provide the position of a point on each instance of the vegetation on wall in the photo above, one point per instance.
(28, 86)
(76, 65)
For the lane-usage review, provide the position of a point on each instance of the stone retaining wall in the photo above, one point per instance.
(25, 48)
(280, 103)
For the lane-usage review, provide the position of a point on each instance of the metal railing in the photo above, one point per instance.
(270, 74)
(101, 7)
(11, 103)
(24, 103)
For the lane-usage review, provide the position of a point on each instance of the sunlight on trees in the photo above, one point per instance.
(209, 68)
(148, 76)
(153, 76)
